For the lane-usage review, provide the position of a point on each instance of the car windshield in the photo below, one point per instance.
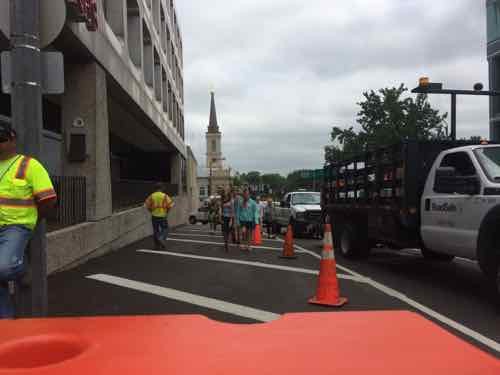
(489, 158)
(306, 198)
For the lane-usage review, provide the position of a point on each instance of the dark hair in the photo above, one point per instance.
(6, 131)
(159, 186)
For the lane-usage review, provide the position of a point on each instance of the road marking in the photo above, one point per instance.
(195, 235)
(243, 262)
(221, 244)
(213, 236)
(193, 299)
(418, 306)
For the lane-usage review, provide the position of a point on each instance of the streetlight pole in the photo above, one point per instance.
(427, 87)
(26, 99)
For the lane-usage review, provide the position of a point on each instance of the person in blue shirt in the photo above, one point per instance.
(237, 201)
(249, 216)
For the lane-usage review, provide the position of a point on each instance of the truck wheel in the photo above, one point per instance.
(432, 255)
(347, 243)
(192, 220)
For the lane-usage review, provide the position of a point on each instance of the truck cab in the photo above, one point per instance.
(301, 209)
(441, 196)
(460, 206)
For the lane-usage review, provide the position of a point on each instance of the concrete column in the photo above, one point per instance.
(85, 112)
(175, 171)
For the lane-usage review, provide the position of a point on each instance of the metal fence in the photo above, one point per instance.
(132, 193)
(71, 208)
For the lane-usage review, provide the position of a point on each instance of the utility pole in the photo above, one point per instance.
(27, 120)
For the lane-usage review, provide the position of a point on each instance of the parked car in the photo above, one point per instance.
(199, 216)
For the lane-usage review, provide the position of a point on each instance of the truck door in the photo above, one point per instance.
(446, 216)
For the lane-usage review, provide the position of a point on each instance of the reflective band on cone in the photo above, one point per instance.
(328, 293)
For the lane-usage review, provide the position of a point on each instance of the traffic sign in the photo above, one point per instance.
(52, 72)
(319, 174)
(52, 19)
(306, 174)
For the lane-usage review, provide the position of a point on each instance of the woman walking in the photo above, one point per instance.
(227, 218)
(237, 201)
(213, 214)
(249, 216)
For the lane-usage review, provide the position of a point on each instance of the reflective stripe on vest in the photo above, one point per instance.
(17, 203)
(159, 204)
(22, 168)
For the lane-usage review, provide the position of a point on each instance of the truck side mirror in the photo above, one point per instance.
(283, 204)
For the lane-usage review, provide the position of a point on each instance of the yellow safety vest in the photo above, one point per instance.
(159, 204)
(25, 182)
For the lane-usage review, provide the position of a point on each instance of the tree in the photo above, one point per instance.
(386, 118)
(273, 181)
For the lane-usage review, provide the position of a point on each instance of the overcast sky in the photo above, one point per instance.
(286, 71)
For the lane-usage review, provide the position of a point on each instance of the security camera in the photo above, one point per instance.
(478, 86)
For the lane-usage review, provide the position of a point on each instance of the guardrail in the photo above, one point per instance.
(71, 207)
(132, 193)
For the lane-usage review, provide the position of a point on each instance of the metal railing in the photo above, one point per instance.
(132, 193)
(71, 208)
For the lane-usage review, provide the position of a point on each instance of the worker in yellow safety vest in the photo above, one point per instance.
(159, 204)
(26, 193)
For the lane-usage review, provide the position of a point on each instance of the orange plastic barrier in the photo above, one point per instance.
(348, 343)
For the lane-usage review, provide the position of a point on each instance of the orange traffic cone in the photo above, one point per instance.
(288, 248)
(257, 236)
(328, 293)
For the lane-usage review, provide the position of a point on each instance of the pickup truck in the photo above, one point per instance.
(301, 209)
(442, 197)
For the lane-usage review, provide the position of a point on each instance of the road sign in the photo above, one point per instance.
(52, 19)
(319, 174)
(306, 174)
(52, 72)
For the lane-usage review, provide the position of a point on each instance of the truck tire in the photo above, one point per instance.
(351, 241)
(432, 255)
(192, 220)
(489, 254)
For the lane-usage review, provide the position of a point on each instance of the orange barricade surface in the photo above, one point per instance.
(318, 343)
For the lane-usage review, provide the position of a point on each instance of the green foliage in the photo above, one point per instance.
(386, 118)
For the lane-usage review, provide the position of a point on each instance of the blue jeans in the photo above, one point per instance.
(160, 229)
(13, 242)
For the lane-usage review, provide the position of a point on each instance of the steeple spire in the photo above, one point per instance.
(212, 126)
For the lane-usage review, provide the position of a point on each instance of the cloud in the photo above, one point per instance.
(285, 71)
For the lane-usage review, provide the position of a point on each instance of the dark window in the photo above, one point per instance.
(461, 162)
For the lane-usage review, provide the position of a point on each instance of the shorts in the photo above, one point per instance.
(250, 225)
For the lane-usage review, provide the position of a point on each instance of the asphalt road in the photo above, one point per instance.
(196, 276)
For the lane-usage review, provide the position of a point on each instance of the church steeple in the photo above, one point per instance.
(213, 127)
(214, 137)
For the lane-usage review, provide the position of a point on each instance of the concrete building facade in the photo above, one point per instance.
(493, 51)
(119, 124)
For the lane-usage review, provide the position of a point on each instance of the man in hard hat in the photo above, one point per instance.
(159, 204)
(26, 193)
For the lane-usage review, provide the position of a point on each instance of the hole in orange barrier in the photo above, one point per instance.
(40, 351)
